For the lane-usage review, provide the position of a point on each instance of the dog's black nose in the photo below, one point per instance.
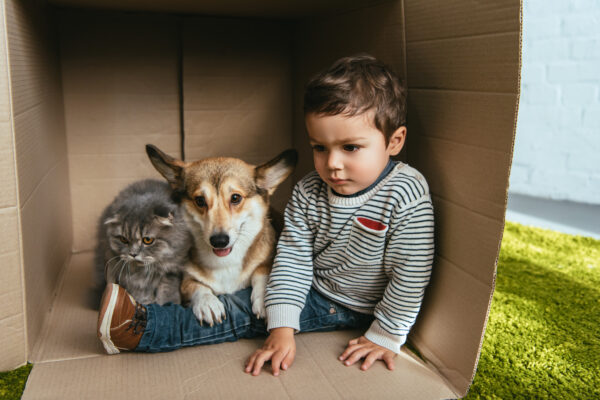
(219, 241)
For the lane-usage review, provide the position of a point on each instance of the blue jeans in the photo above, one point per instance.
(171, 326)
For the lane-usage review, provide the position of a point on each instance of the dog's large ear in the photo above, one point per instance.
(169, 167)
(271, 174)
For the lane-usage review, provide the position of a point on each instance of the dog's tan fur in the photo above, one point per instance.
(225, 197)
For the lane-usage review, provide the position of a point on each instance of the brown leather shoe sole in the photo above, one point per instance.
(107, 307)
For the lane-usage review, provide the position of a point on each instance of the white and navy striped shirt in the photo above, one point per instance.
(371, 252)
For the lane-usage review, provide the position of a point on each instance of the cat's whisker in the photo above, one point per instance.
(123, 265)
(107, 268)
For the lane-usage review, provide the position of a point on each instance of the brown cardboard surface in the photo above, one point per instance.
(237, 78)
(464, 174)
(449, 333)
(12, 314)
(264, 8)
(120, 93)
(242, 84)
(70, 364)
(463, 75)
(438, 19)
(441, 114)
(40, 151)
(8, 196)
(480, 63)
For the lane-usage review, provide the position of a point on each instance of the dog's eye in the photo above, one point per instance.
(147, 240)
(122, 239)
(200, 201)
(236, 198)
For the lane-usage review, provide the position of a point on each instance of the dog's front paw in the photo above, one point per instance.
(208, 308)
(258, 303)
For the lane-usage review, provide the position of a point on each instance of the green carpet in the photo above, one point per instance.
(542, 339)
(13, 382)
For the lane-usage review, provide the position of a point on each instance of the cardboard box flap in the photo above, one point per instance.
(234, 86)
(256, 8)
(71, 352)
(41, 156)
(463, 78)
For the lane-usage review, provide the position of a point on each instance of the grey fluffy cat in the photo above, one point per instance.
(143, 243)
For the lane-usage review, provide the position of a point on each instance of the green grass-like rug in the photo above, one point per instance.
(13, 382)
(542, 340)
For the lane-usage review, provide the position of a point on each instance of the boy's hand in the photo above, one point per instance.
(280, 348)
(363, 348)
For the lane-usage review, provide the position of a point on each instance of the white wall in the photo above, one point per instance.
(557, 148)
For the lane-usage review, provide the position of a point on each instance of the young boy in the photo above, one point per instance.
(356, 249)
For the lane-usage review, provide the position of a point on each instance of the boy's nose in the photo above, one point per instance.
(334, 161)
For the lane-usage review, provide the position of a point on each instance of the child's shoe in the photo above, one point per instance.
(121, 321)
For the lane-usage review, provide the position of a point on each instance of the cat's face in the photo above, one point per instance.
(143, 242)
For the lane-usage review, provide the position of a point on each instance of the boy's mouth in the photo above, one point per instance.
(337, 181)
(222, 252)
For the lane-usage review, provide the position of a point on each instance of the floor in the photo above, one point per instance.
(563, 216)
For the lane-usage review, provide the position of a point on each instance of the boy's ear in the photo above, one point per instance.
(269, 175)
(396, 141)
(169, 167)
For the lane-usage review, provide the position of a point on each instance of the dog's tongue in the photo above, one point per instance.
(222, 252)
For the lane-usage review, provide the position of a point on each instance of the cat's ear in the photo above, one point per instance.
(115, 219)
(165, 221)
(169, 167)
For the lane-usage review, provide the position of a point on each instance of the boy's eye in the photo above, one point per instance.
(236, 198)
(147, 240)
(318, 147)
(123, 239)
(350, 147)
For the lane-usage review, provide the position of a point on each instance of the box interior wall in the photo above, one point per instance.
(89, 88)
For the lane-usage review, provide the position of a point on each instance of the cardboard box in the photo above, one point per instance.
(85, 84)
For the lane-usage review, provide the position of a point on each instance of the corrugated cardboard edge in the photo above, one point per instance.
(518, 94)
(21, 358)
(507, 185)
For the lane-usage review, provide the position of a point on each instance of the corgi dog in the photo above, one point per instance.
(225, 202)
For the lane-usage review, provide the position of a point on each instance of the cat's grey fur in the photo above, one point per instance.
(151, 273)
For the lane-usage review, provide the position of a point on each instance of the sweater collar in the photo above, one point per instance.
(362, 195)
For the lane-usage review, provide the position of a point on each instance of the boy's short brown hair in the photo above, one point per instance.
(355, 85)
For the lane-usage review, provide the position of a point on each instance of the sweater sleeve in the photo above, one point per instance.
(409, 255)
(292, 273)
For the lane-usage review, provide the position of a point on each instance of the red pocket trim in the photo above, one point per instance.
(371, 224)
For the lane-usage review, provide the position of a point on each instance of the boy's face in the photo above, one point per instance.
(349, 152)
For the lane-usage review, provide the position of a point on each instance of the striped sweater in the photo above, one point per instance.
(371, 253)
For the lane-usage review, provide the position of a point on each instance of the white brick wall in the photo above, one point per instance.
(557, 148)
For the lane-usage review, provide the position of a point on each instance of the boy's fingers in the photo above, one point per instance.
(353, 341)
(349, 350)
(276, 362)
(260, 361)
(369, 360)
(356, 355)
(250, 362)
(389, 360)
(288, 359)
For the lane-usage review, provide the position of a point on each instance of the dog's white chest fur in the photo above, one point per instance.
(228, 277)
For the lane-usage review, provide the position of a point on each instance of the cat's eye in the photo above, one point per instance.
(200, 201)
(123, 239)
(236, 198)
(147, 240)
